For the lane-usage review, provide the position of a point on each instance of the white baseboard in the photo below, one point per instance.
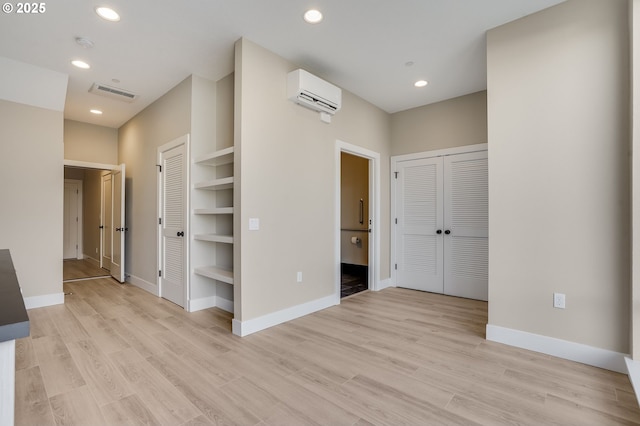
(244, 328)
(143, 284)
(210, 302)
(194, 305)
(382, 284)
(224, 304)
(34, 302)
(633, 370)
(590, 355)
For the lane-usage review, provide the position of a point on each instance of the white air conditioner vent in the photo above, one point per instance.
(312, 92)
(112, 92)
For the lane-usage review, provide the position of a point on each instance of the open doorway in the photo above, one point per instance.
(354, 224)
(357, 209)
(95, 252)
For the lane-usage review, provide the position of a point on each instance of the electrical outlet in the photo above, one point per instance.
(299, 277)
(559, 300)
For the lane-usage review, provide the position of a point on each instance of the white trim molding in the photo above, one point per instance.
(87, 165)
(143, 284)
(34, 302)
(224, 304)
(633, 370)
(201, 303)
(382, 284)
(244, 328)
(585, 354)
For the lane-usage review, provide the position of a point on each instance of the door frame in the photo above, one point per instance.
(187, 200)
(79, 223)
(394, 191)
(374, 213)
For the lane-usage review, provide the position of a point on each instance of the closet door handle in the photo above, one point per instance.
(361, 211)
(180, 234)
(447, 232)
(439, 231)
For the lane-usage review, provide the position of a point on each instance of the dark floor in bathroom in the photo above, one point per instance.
(354, 279)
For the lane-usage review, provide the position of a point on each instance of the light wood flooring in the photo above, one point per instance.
(116, 355)
(74, 269)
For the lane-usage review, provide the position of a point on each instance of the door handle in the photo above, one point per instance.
(118, 229)
(447, 232)
(101, 226)
(439, 231)
(180, 234)
(361, 211)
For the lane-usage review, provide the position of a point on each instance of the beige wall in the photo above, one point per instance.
(447, 124)
(32, 205)
(285, 161)
(163, 121)
(90, 143)
(558, 108)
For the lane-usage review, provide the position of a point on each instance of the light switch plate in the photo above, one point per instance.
(254, 224)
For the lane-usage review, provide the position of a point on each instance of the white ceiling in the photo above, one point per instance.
(362, 45)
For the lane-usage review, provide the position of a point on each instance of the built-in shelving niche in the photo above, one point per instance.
(212, 223)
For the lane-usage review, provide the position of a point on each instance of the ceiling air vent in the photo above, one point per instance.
(112, 92)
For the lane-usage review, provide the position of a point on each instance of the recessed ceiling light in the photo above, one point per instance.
(420, 83)
(81, 64)
(107, 13)
(313, 16)
(95, 111)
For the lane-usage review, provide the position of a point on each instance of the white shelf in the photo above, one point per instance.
(215, 238)
(217, 158)
(215, 184)
(215, 273)
(219, 210)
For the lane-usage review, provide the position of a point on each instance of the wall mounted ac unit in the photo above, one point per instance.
(312, 92)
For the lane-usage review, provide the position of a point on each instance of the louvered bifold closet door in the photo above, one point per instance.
(419, 210)
(466, 216)
(173, 224)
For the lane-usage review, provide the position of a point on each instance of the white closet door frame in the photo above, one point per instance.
(182, 140)
(394, 191)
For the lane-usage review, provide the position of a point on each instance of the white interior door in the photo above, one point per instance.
(173, 203)
(119, 226)
(106, 225)
(420, 225)
(466, 224)
(71, 221)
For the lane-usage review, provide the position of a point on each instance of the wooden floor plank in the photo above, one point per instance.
(76, 407)
(59, 371)
(32, 403)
